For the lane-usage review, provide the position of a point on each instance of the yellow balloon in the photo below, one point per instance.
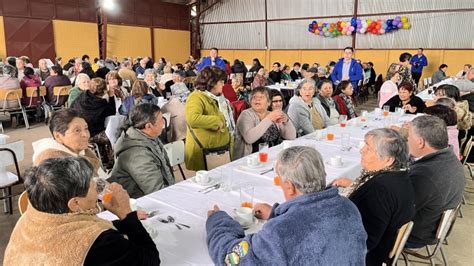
(406, 26)
(369, 21)
(404, 19)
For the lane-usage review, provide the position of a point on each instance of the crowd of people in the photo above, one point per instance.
(230, 108)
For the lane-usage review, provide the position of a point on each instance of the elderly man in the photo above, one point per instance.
(212, 60)
(466, 85)
(142, 166)
(383, 193)
(141, 68)
(43, 70)
(20, 66)
(126, 72)
(436, 174)
(313, 227)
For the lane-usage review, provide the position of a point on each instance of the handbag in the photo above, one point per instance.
(213, 157)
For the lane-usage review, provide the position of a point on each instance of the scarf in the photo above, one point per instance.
(364, 177)
(225, 109)
(350, 108)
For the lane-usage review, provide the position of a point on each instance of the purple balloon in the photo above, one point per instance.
(400, 25)
(321, 33)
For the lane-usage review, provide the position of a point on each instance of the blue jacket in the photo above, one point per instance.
(355, 72)
(320, 228)
(418, 63)
(206, 61)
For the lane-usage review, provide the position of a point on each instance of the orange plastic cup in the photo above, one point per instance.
(330, 136)
(107, 196)
(277, 181)
(246, 204)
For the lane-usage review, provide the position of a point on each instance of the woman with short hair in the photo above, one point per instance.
(462, 106)
(277, 101)
(30, 79)
(258, 125)
(114, 82)
(55, 79)
(140, 94)
(343, 98)
(82, 84)
(404, 71)
(61, 227)
(406, 100)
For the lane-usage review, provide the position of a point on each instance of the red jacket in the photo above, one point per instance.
(229, 93)
(341, 105)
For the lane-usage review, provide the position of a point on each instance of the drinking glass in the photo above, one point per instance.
(386, 110)
(227, 179)
(343, 120)
(345, 141)
(103, 189)
(263, 152)
(246, 197)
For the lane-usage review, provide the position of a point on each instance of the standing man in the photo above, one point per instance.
(347, 68)
(418, 62)
(212, 60)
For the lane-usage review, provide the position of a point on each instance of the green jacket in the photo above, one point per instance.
(142, 165)
(73, 95)
(204, 117)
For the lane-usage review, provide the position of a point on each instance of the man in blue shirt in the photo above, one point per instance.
(213, 60)
(418, 62)
(347, 68)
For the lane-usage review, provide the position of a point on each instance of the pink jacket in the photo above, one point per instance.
(387, 91)
(453, 133)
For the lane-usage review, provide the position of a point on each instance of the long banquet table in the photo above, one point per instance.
(187, 205)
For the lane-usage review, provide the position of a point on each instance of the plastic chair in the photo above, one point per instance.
(23, 202)
(58, 92)
(10, 153)
(175, 151)
(13, 95)
(443, 228)
(32, 92)
(400, 241)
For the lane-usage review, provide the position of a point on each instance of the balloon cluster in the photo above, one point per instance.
(360, 26)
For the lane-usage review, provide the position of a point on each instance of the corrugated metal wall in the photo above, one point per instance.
(440, 29)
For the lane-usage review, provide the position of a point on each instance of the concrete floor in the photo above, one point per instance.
(459, 250)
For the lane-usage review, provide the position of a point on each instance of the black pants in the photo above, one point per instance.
(416, 77)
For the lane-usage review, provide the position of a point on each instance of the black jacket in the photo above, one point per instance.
(275, 76)
(414, 101)
(385, 202)
(295, 75)
(438, 179)
(112, 248)
(95, 110)
(102, 72)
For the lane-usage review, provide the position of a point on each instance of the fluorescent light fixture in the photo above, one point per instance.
(109, 5)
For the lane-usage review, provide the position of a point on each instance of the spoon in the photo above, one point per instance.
(172, 220)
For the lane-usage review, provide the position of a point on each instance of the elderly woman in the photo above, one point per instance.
(464, 116)
(260, 79)
(114, 82)
(60, 226)
(70, 138)
(383, 193)
(258, 125)
(304, 113)
(142, 164)
(209, 117)
(82, 84)
(406, 100)
(8, 81)
(329, 105)
(288, 238)
(389, 87)
(343, 98)
(235, 91)
(448, 115)
(150, 79)
(277, 102)
(179, 89)
(138, 95)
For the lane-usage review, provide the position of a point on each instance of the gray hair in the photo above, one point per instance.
(390, 144)
(149, 71)
(101, 63)
(80, 77)
(9, 70)
(448, 102)
(55, 181)
(303, 82)
(126, 63)
(303, 167)
(432, 129)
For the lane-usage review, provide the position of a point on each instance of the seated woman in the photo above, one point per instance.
(142, 165)
(176, 108)
(70, 138)
(343, 98)
(292, 235)
(258, 125)
(61, 227)
(83, 83)
(29, 80)
(450, 118)
(114, 82)
(55, 79)
(405, 99)
(389, 87)
(383, 193)
(235, 91)
(260, 79)
(304, 113)
(285, 73)
(166, 80)
(8, 81)
(277, 101)
(464, 116)
(138, 95)
(329, 105)
(150, 79)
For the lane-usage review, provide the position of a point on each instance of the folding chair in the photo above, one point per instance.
(61, 93)
(34, 105)
(175, 151)
(10, 153)
(13, 95)
(23, 202)
(443, 228)
(400, 241)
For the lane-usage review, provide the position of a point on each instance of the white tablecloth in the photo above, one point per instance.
(187, 205)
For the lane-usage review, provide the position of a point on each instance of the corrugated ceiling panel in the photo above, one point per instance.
(235, 10)
(309, 8)
(234, 36)
(438, 30)
(377, 6)
(294, 35)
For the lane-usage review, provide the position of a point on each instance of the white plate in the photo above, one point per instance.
(211, 182)
(343, 164)
(258, 166)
